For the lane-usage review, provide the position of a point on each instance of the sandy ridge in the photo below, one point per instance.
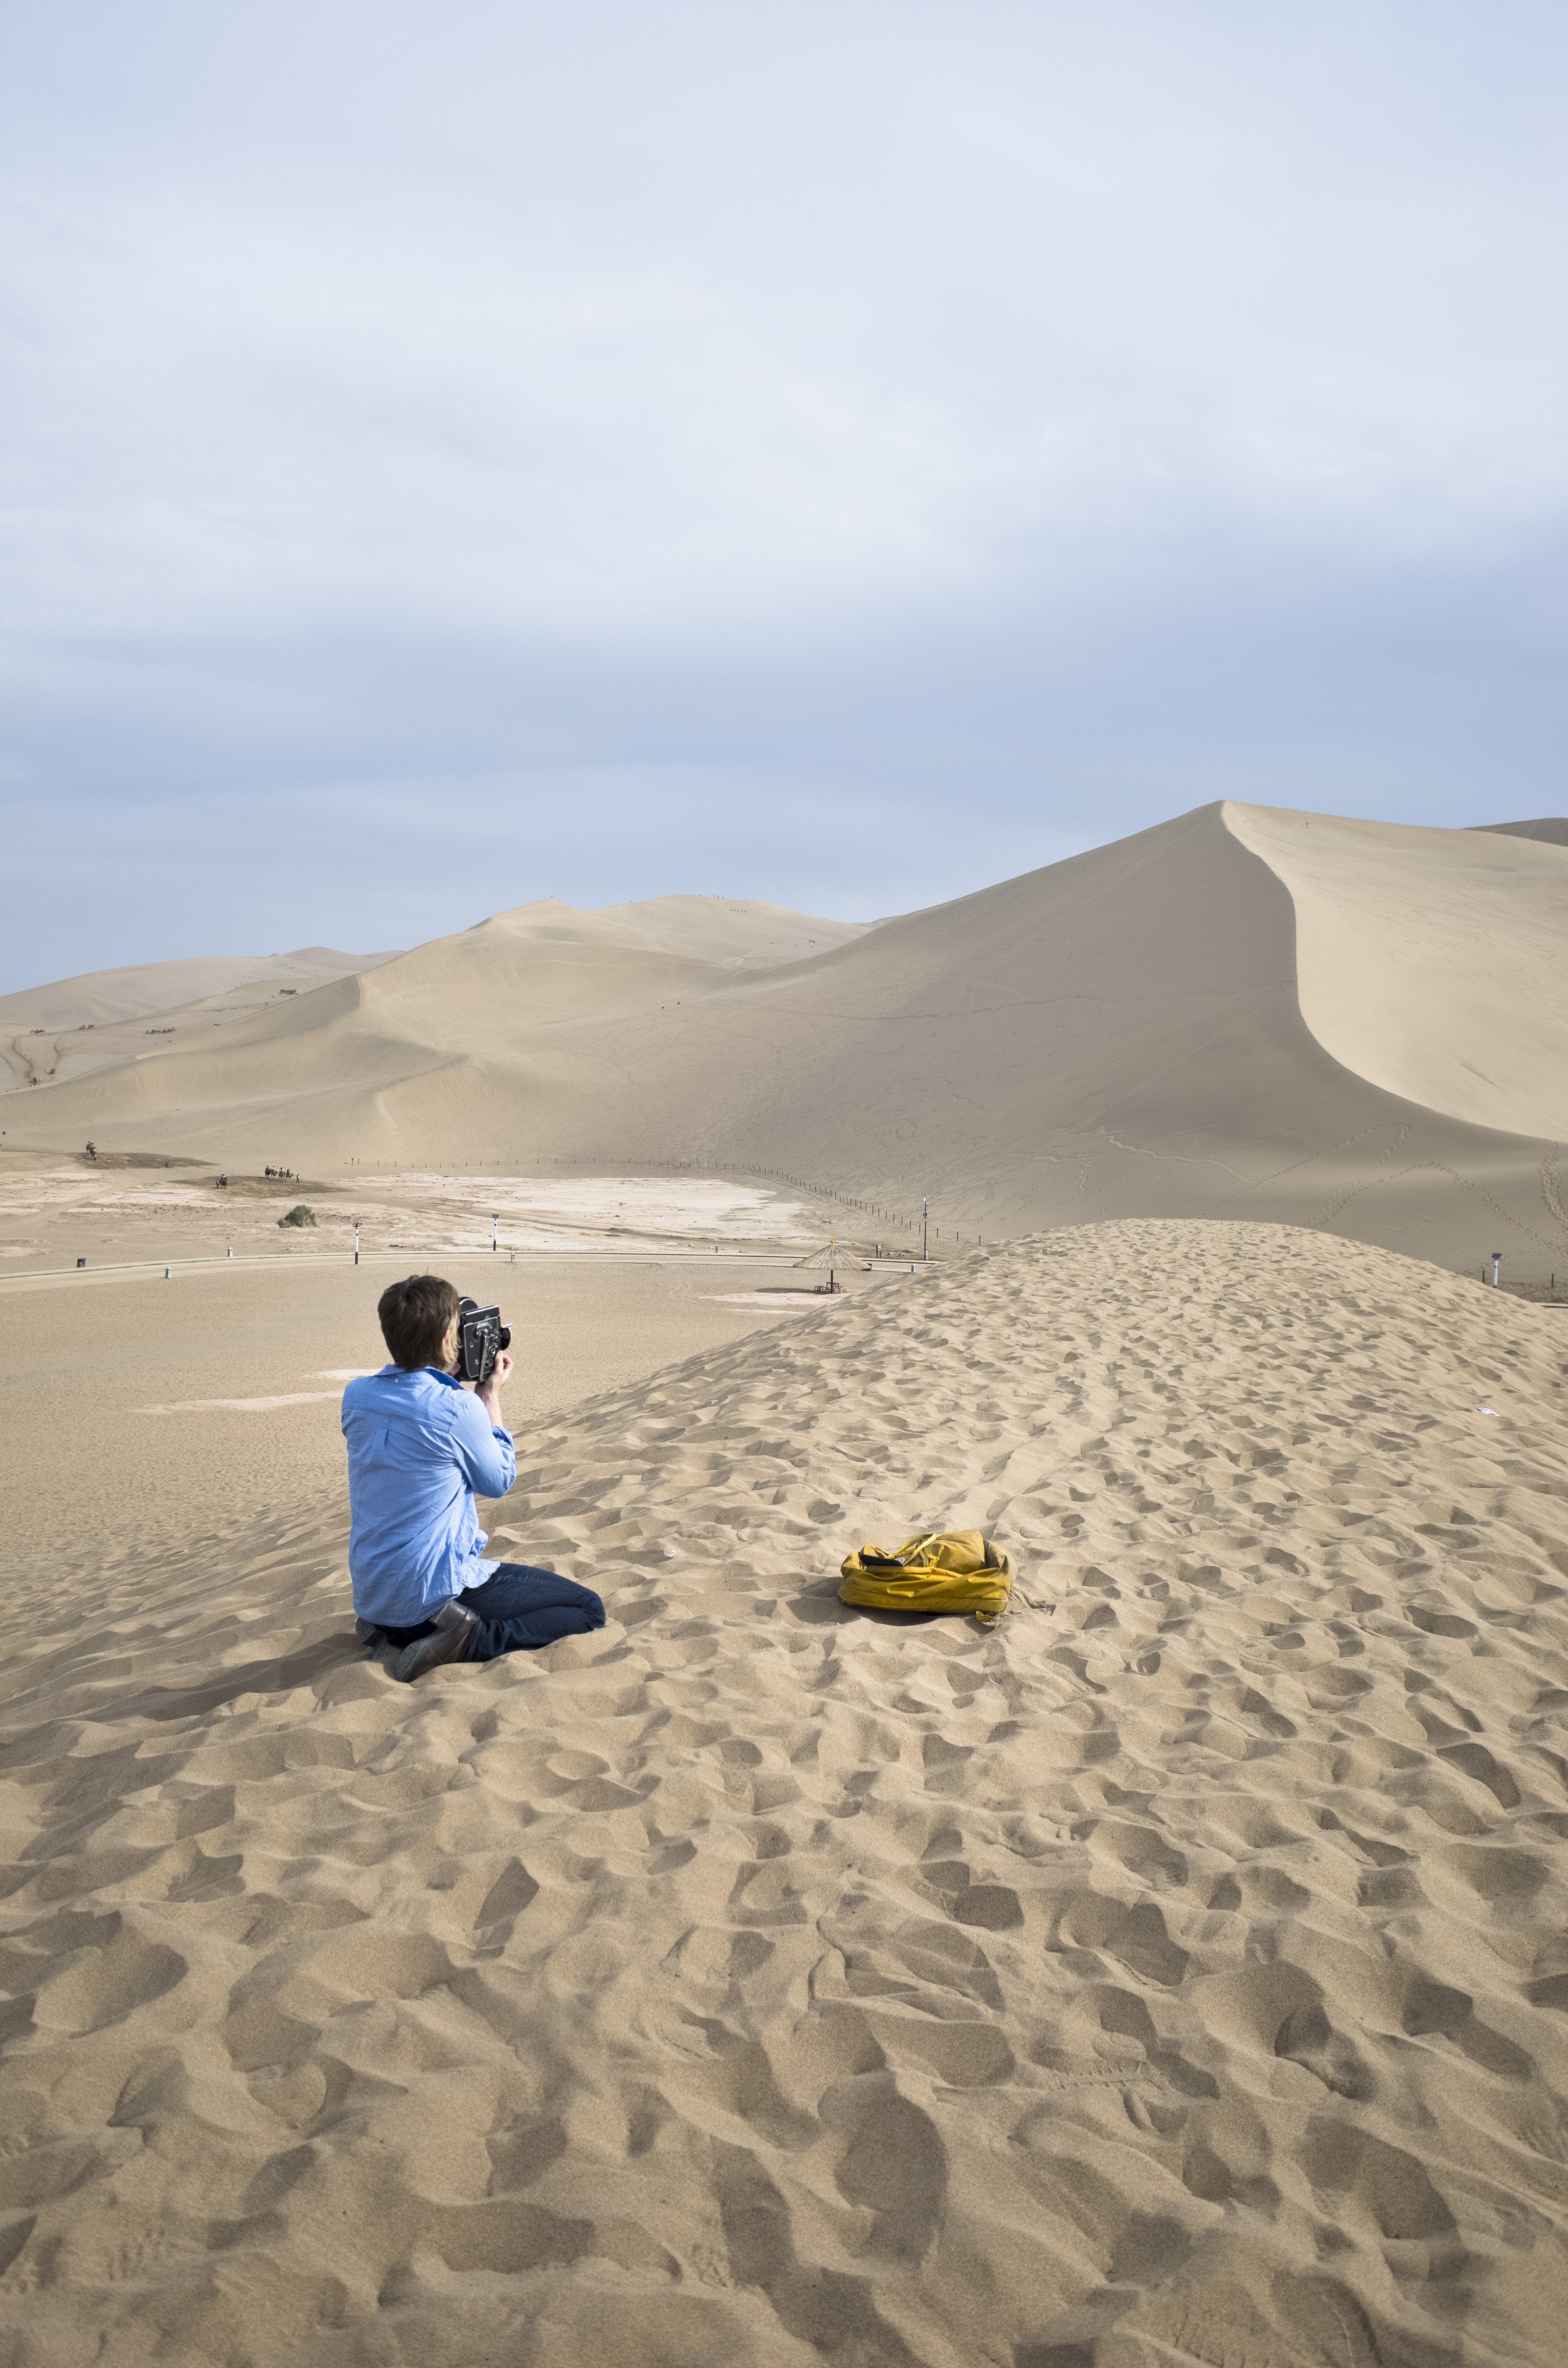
(1428, 962)
(143, 990)
(1238, 1013)
(1178, 1971)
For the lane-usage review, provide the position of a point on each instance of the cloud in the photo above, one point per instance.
(717, 419)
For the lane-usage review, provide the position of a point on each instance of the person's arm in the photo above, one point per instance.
(489, 1392)
(488, 1459)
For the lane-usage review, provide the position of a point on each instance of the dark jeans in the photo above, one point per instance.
(519, 1609)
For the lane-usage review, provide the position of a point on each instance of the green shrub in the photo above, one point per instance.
(299, 1215)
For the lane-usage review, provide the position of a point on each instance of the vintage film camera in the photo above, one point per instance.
(480, 1334)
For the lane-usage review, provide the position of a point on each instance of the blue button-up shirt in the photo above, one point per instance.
(419, 1445)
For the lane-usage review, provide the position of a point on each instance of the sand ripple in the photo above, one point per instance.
(1180, 1972)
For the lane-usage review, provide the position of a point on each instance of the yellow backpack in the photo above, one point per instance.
(952, 1570)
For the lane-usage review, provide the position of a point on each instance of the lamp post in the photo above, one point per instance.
(925, 1219)
(1496, 1262)
(356, 1241)
(495, 1242)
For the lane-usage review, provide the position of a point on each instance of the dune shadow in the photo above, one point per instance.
(277, 1675)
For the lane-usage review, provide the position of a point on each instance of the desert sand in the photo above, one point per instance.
(1175, 1973)
(1242, 1013)
(108, 1020)
(122, 1209)
(1431, 972)
(142, 1418)
(108, 1002)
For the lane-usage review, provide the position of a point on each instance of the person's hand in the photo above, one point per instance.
(490, 1391)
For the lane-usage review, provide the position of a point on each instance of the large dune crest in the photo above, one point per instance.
(1241, 1012)
(1430, 962)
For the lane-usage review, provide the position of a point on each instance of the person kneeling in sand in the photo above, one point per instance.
(420, 1444)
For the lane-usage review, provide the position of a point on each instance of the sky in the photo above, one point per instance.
(841, 454)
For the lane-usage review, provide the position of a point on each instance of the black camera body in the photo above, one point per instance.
(481, 1336)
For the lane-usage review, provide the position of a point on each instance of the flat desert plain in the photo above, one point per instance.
(1176, 1971)
(144, 1418)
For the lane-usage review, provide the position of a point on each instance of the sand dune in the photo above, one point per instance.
(1176, 1973)
(1550, 829)
(105, 995)
(464, 992)
(1430, 962)
(740, 933)
(47, 1042)
(1240, 1013)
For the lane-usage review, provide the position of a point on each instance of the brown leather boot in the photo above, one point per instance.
(449, 1640)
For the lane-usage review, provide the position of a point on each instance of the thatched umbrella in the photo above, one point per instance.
(833, 1255)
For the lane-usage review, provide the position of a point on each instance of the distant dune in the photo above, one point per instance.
(104, 996)
(1551, 830)
(1242, 1013)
